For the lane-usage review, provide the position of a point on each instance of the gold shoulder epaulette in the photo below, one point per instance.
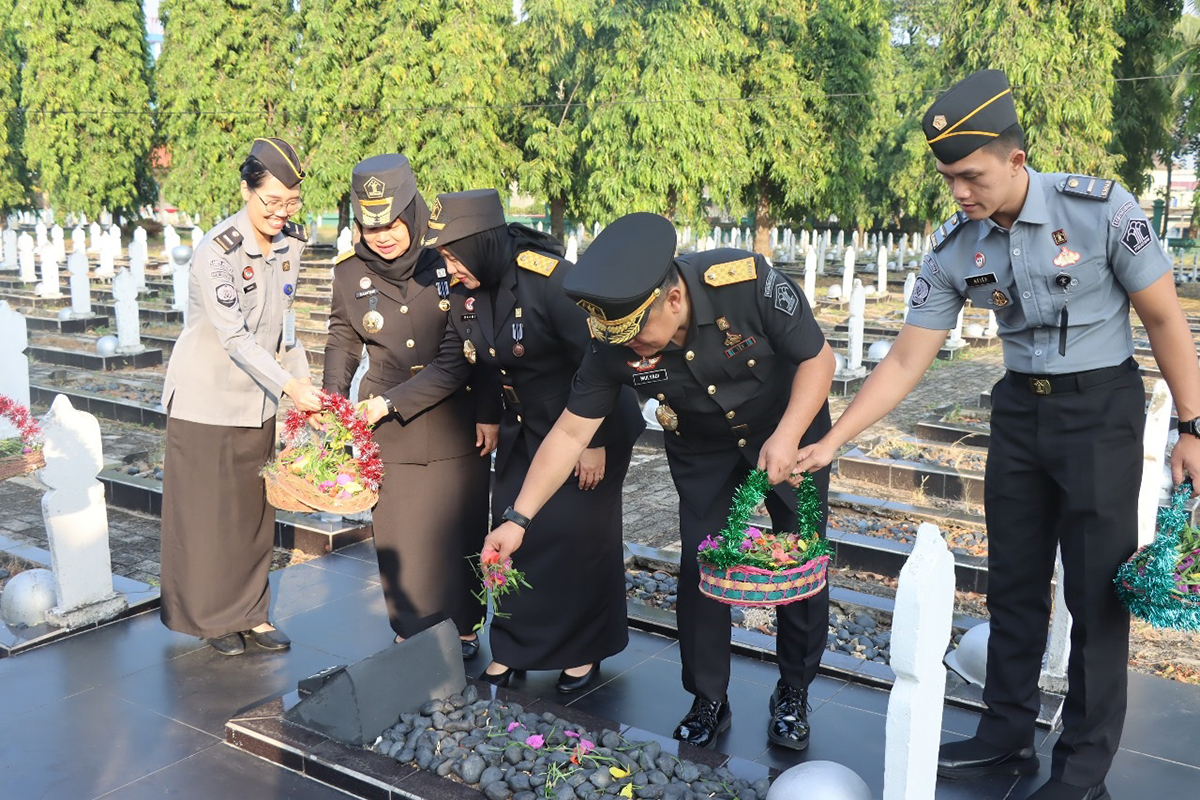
(536, 262)
(731, 272)
(343, 256)
(1086, 186)
(948, 229)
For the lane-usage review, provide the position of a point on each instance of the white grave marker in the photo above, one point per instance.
(924, 608)
(51, 287)
(848, 272)
(14, 364)
(910, 281)
(345, 240)
(810, 277)
(572, 249)
(94, 233)
(76, 518)
(137, 258)
(181, 256)
(81, 286)
(25, 258)
(10, 247)
(881, 282)
(170, 241)
(125, 293)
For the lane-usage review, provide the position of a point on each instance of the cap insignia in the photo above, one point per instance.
(939, 122)
(374, 188)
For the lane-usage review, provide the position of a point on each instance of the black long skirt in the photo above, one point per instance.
(574, 614)
(429, 521)
(218, 530)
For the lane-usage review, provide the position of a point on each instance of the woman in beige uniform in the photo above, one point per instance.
(233, 362)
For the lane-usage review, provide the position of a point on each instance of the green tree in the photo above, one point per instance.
(337, 95)
(449, 92)
(665, 131)
(1060, 58)
(14, 186)
(86, 91)
(556, 54)
(1144, 110)
(225, 69)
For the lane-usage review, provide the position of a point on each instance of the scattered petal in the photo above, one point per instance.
(618, 773)
(536, 741)
(512, 726)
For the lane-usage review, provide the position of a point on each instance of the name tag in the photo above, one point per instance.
(289, 328)
(652, 376)
(367, 293)
(749, 341)
(249, 287)
(468, 317)
(981, 280)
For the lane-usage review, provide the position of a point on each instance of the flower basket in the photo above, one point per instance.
(744, 567)
(314, 471)
(1160, 583)
(23, 455)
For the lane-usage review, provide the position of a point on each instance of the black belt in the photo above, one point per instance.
(1072, 381)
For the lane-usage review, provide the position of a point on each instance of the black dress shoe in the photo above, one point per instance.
(470, 648)
(972, 758)
(501, 678)
(789, 717)
(570, 684)
(231, 644)
(270, 640)
(703, 722)
(1057, 790)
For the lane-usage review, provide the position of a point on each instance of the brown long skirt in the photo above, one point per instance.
(217, 529)
(429, 519)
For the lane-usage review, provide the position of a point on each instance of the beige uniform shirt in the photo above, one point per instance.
(230, 364)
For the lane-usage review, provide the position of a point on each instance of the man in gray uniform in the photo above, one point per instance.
(1059, 258)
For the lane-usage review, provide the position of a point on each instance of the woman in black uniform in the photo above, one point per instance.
(393, 296)
(574, 615)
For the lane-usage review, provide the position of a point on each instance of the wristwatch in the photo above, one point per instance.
(387, 401)
(1190, 426)
(510, 515)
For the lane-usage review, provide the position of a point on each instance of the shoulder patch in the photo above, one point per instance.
(948, 229)
(296, 230)
(343, 256)
(729, 272)
(536, 262)
(228, 239)
(1087, 186)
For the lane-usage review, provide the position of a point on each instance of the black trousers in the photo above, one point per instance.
(704, 642)
(1062, 469)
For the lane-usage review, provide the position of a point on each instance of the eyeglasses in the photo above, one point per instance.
(274, 206)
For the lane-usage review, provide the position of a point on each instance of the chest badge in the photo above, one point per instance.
(469, 351)
(645, 364)
(364, 282)
(666, 416)
(372, 322)
(980, 260)
(248, 274)
(1000, 299)
(723, 324)
(287, 265)
(444, 305)
(469, 304)
(1060, 237)
(1065, 258)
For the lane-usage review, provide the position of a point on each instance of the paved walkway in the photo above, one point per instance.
(132, 710)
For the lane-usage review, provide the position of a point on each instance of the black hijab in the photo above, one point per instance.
(400, 269)
(490, 255)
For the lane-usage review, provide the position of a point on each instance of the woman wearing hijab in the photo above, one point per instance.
(392, 296)
(233, 362)
(517, 316)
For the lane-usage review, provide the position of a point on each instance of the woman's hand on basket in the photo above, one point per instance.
(1185, 458)
(504, 540)
(590, 469)
(814, 457)
(374, 409)
(306, 396)
(486, 436)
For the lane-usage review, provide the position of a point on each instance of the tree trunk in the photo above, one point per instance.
(558, 210)
(763, 220)
(343, 213)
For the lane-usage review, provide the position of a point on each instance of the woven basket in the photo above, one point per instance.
(289, 492)
(752, 586)
(1170, 609)
(12, 466)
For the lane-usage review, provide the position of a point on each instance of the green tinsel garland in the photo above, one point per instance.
(1146, 582)
(728, 552)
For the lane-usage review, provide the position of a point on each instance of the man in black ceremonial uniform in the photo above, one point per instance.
(729, 348)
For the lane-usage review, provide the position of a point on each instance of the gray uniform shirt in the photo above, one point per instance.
(1089, 230)
(224, 368)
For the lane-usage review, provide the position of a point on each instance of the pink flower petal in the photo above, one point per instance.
(571, 734)
(512, 726)
(536, 741)
(586, 746)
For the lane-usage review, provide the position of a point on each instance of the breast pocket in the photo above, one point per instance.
(991, 297)
(752, 356)
(1089, 287)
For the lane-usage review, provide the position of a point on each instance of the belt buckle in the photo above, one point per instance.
(1039, 386)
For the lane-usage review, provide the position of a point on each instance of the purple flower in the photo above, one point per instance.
(512, 726)
(571, 734)
(586, 746)
(536, 741)
(325, 485)
(753, 532)
(747, 544)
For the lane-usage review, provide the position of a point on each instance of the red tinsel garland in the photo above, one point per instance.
(18, 415)
(370, 468)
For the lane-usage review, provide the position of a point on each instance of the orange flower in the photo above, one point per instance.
(490, 557)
